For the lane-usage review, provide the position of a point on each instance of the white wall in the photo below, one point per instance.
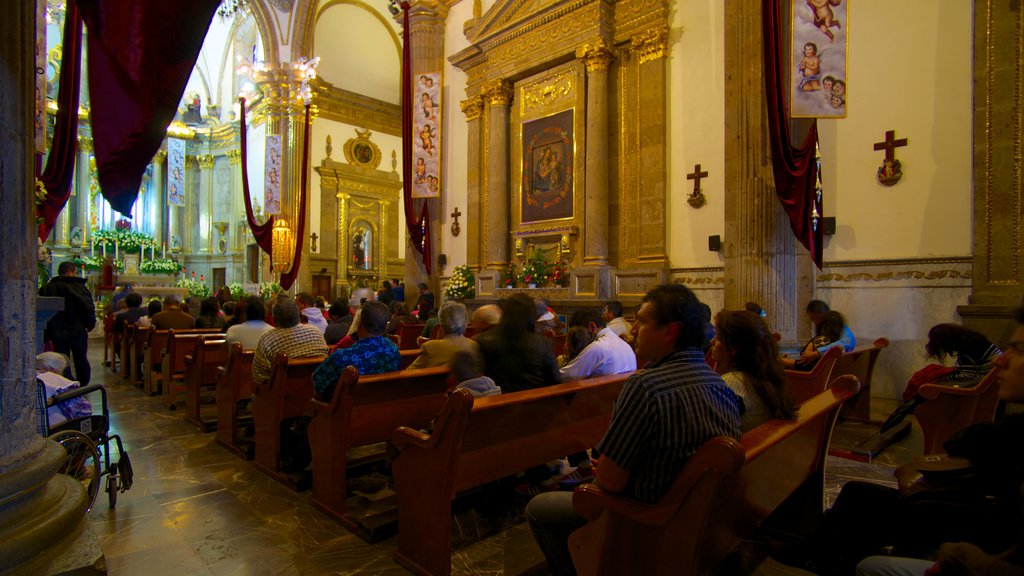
(454, 186)
(358, 53)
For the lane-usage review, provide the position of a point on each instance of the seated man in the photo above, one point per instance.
(547, 321)
(252, 327)
(373, 353)
(612, 315)
(662, 416)
(816, 310)
(485, 317)
(172, 317)
(290, 337)
(607, 354)
(132, 313)
(307, 307)
(452, 319)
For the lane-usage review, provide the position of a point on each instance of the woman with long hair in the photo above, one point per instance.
(974, 352)
(829, 330)
(747, 357)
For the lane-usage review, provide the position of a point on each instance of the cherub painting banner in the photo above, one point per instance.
(547, 167)
(820, 32)
(426, 146)
(175, 172)
(272, 178)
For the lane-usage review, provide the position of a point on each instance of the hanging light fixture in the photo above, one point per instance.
(281, 258)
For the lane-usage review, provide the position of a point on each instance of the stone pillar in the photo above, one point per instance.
(79, 209)
(426, 41)
(188, 225)
(42, 514)
(597, 57)
(476, 228)
(495, 201)
(160, 191)
(204, 198)
(998, 181)
(761, 254)
(649, 51)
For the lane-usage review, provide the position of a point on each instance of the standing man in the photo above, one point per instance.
(662, 416)
(612, 315)
(69, 328)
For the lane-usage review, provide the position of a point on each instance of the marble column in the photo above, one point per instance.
(78, 210)
(998, 285)
(763, 261)
(498, 94)
(426, 40)
(597, 56)
(204, 196)
(42, 514)
(476, 228)
(160, 191)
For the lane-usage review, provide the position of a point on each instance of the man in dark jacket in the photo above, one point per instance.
(69, 329)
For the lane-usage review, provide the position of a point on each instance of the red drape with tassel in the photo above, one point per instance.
(60, 164)
(263, 234)
(795, 168)
(300, 235)
(417, 224)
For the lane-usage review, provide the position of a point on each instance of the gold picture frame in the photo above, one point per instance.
(820, 41)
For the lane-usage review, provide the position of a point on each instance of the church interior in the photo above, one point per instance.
(605, 147)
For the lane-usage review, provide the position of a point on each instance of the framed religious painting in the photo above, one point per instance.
(548, 149)
(818, 88)
(426, 148)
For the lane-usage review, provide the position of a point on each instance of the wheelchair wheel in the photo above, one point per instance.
(112, 490)
(82, 461)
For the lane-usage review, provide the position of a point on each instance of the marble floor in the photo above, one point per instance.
(195, 508)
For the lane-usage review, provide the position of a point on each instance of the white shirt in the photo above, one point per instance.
(315, 317)
(247, 333)
(608, 354)
(619, 326)
(754, 412)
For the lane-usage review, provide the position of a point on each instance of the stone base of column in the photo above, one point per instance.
(487, 281)
(42, 521)
(592, 282)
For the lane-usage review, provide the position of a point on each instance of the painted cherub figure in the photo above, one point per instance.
(810, 68)
(823, 16)
(427, 138)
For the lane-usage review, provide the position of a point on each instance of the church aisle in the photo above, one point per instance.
(197, 509)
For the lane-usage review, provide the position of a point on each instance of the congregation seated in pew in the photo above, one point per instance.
(251, 325)
(372, 353)
(452, 318)
(515, 356)
(290, 337)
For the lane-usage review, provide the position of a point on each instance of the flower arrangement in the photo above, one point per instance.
(195, 288)
(270, 289)
(539, 271)
(462, 284)
(509, 275)
(160, 266)
(127, 241)
(559, 273)
(95, 262)
(236, 290)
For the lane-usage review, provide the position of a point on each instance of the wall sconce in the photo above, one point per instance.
(282, 249)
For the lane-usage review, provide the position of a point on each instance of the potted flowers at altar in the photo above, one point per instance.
(461, 284)
(270, 289)
(159, 266)
(195, 288)
(509, 275)
(236, 290)
(95, 263)
(536, 270)
(559, 273)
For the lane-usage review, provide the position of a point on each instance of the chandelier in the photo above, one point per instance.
(282, 247)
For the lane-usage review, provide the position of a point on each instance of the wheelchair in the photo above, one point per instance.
(87, 441)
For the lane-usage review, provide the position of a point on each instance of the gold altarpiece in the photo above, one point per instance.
(527, 64)
(359, 216)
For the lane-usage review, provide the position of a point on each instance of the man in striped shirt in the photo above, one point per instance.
(290, 338)
(662, 416)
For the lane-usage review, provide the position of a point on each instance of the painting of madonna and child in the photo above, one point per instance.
(548, 168)
(819, 59)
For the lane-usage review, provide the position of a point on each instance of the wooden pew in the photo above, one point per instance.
(725, 490)
(407, 334)
(153, 353)
(210, 353)
(408, 357)
(949, 408)
(234, 383)
(285, 395)
(127, 340)
(366, 410)
(477, 441)
(180, 343)
(806, 385)
(859, 362)
(136, 353)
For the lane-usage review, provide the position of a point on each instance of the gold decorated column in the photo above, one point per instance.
(159, 163)
(473, 108)
(204, 196)
(597, 56)
(498, 94)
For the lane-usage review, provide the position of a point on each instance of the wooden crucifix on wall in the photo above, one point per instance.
(891, 170)
(456, 229)
(696, 198)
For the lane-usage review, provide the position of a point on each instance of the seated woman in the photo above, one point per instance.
(209, 314)
(827, 331)
(745, 354)
(576, 339)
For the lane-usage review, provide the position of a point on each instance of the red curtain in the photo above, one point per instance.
(418, 225)
(795, 168)
(263, 234)
(60, 164)
(300, 230)
(140, 57)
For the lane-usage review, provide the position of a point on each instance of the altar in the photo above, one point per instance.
(149, 286)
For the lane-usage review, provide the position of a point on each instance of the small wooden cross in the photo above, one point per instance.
(696, 199)
(455, 225)
(891, 170)
(313, 236)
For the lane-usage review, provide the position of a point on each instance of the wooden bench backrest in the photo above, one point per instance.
(210, 353)
(366, 410)
(725, 489)
(285, 395)
(407, 334)
(172, 367)
(947, 410)
(860, 362)
(408, 357)
(806, 385)
(234, 383)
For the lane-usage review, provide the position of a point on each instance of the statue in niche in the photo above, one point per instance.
(360, 243)
(193, 110)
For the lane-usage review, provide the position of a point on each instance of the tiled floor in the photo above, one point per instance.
(195, 508)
